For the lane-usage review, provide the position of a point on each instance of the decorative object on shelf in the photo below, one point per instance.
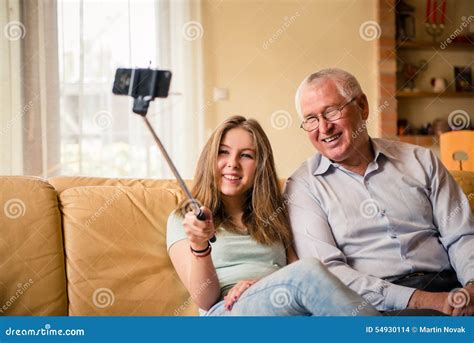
(463, 79)
(405, 18)
(440, 126)
(426, 130)
(423, 130)
(403, 127)
(432, 26)
(439, 84)
(409, 72)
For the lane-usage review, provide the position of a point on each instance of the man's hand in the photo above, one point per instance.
(235, 293)
(455, 303)
(429, 300)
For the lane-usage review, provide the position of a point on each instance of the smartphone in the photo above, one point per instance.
(151, 83)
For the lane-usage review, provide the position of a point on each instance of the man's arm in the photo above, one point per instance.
(313, 238)
(453, 217)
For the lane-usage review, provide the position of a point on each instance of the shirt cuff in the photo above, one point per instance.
(397, 297)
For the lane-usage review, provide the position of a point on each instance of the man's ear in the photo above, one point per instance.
(364, 106)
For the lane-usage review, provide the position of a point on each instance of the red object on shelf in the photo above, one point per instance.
(428, 8)
(443, 12)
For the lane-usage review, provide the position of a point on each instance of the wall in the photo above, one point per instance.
(261, 50)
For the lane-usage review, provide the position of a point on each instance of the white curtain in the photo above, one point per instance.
(40, 88)
(99, 133)
(11, 113)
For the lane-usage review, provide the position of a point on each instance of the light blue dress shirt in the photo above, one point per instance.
(406, 214)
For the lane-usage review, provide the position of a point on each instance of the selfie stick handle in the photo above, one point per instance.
(196, 209)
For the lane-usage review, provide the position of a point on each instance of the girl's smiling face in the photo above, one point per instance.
(236, 163)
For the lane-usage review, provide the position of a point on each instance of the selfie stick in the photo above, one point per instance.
(136, 83)
(195, 206)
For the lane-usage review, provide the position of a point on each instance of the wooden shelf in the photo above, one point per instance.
(423, 140)
(423, 94)
(408, 45)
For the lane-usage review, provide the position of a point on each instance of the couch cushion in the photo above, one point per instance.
(61, 183)
(32, 272)
(116, 257)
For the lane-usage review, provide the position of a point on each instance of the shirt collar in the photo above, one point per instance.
(321, 164)
(382, 146)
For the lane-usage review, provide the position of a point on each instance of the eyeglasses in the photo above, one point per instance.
(312, 122)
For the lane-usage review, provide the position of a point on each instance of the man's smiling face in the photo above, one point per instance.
(334, 139)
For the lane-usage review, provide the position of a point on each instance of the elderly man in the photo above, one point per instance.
(386, 217)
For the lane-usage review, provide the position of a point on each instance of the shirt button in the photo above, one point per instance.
(382, 213)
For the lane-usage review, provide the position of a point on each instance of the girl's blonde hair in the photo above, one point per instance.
(265, 212)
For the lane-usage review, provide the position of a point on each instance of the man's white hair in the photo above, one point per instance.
(346, 83)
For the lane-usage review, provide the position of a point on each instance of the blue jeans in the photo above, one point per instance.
(303, 288)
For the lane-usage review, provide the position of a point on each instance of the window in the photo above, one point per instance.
(100, 136)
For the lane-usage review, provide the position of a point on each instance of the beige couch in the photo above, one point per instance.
(93, 246)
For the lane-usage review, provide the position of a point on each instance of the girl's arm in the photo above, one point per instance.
(198, 274)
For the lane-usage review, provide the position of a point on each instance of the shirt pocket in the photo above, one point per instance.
(416, 205)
